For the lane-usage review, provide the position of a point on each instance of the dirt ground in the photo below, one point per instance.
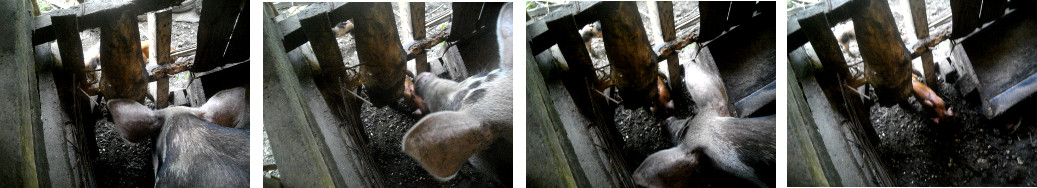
(968, 149)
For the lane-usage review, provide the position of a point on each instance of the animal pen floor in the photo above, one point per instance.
(967, 149)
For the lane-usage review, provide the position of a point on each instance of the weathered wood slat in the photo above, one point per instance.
(214, 32)
(93, 14)
(160, 26)
(290, 126)
(714, 19)
(885, 57)
(921, 25)
(417, 25)
(123, 76)
(669, 33)
(965, 16)
(634, 65)
(591, 104)
(379, 50)
(22, 155)
(551, 159)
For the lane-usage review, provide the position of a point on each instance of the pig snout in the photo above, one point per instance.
(663, 104)
(411, 97)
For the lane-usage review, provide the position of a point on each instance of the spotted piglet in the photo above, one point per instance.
(468, 121)
(194, 147)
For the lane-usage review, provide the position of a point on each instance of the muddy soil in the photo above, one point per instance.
(968, 149)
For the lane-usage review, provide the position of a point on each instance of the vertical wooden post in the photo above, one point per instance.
(123, 75)
(159, 25)
(215, 27)
(669, 32)
(634, 69)
(922, 31)
(417, 25)
(579, 81)
(378, 47)
(964, 16)
(289, 123)
(20, 113)
(713, 20)
(886, 59)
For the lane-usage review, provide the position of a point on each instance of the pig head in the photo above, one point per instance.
(470, 121)
(711, 142)
(190, 151)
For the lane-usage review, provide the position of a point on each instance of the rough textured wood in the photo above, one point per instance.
(886, 59)
(992, 9)
(289, 125)
(160, 26)
(922, 31)
(550, 159)
(634, 68)
(214, 32)
(70, 80)
(669, 33)
(965, 16)
(378, 48)
(821, 37)
(93, 14)
(22, 153)
(714, 19)
(591, 104)
(808, 161)
(123, 75)
(331, 77)
(417, 25)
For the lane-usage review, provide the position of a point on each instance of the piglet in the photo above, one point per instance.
(468, 121)
(712, 141)
(930, 101)
(190, 150)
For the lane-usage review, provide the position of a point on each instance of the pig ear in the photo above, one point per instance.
(667, 168)
(134, 121)
(443, 141)
(224, 107)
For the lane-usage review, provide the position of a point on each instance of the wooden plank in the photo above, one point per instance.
(94, 13)
(714, 19)
(214, 32)
(741, 11)
(160, 26)
(965, 17)
(551, 161)
(591, 104)
(921, 24)
(123, 75)
(822, 39)
(992, 9)
(634, 68)
(759, 103)
(669, 33)
(21, 157)
(238, 46)
(378, 48)
(417, 25)
(885, 57)
(290, 127)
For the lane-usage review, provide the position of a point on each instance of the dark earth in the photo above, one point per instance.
(966, 150)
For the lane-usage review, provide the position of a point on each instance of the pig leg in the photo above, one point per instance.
(443, 141)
